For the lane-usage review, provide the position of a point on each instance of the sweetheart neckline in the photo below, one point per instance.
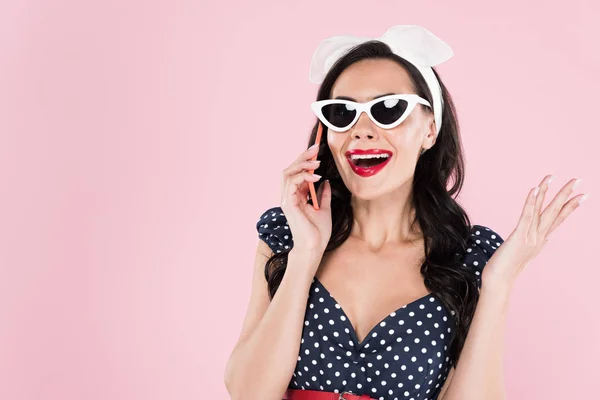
(370, 332)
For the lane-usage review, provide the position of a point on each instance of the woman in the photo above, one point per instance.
(382, 292)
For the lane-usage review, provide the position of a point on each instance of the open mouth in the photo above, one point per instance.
(366, 161)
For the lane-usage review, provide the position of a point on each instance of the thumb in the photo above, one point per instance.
(326, 196)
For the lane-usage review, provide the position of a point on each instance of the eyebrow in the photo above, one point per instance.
(352, 99)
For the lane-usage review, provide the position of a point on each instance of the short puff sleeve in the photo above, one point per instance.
(274, 230)
(481, 245)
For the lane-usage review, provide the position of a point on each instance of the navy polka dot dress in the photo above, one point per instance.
(403, 357)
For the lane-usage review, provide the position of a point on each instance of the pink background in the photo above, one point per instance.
(130, 193)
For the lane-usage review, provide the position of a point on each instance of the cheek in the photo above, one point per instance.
(335, 143)
(404, 141)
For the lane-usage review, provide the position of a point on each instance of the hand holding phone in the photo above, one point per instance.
(310, 228)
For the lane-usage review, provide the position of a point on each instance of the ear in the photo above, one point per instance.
(430, 134)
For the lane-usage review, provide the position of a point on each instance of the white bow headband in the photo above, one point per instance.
(412, 42)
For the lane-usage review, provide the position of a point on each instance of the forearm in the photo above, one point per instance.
(479, 371)
(264, 363)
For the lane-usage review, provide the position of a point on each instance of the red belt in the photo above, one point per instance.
(295, 394)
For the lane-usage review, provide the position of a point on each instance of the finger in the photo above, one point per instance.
(309, 153)
(298, 166)
(553, 209)
(303, 192)
(320, 190)
(295, 181)
(304, 176)
(539, 202)
(299, 196)
(565, 211)
(527, 212)
(325, 198)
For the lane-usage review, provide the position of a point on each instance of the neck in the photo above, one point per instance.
(385, 220)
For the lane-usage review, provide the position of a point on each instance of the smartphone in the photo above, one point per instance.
(311, 185)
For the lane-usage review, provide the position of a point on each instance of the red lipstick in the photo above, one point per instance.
(367, 171)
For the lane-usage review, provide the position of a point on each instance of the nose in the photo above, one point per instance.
(364, 127)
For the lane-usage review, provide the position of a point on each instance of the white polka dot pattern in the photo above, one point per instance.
(405, 356)
(273, 229)
(482, 245)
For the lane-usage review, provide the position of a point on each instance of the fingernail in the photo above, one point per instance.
(576, 183)
(583, 198)
(313, 146)
(535, 192)
(550, 180)
(315, 161)
(318, 176)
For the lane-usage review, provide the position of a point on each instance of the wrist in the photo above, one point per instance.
(307, 261)
(308, 255)
(495, 283)
(496, 290)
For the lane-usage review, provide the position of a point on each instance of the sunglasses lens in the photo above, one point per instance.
(388, 111)
(339, 114)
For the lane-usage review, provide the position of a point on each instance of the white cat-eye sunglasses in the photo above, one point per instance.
(386, 112)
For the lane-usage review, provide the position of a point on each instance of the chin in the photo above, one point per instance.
(367, 195)
(375, 186)
(363, 189)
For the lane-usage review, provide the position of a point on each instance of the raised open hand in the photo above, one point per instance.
(531, 233)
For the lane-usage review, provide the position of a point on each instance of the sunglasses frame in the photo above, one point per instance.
(411, 99)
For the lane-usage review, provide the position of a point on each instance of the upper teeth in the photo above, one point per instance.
(359, 156)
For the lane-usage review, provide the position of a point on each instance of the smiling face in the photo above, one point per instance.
(363, 81)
